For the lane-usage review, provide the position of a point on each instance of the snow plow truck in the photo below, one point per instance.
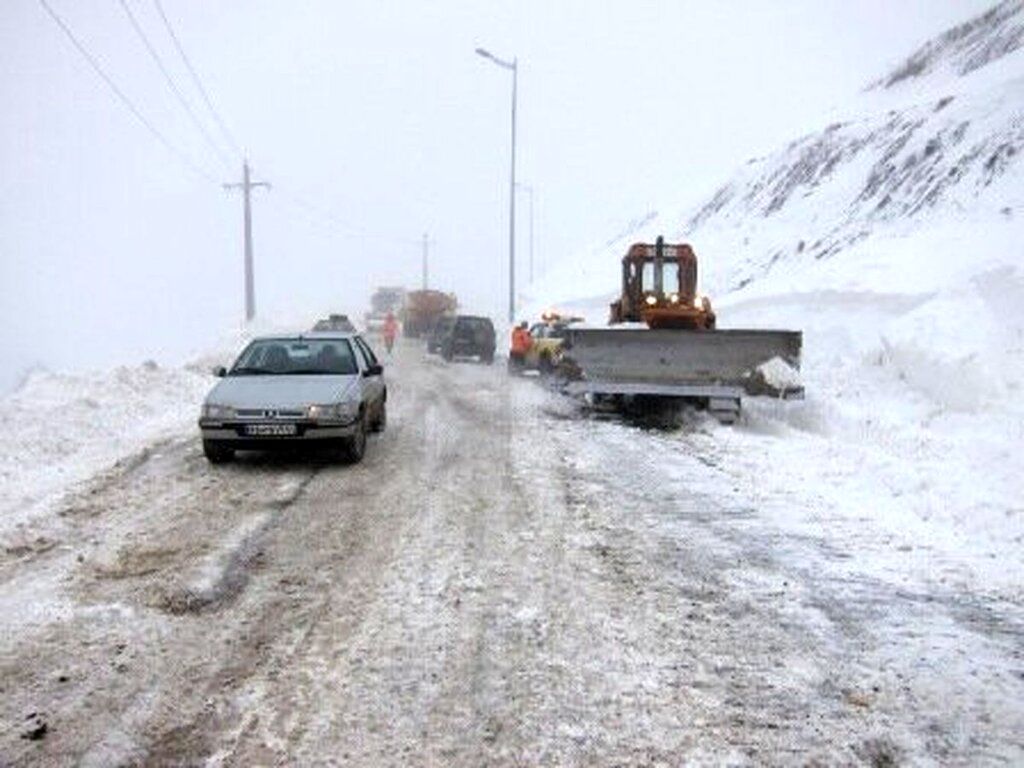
(662, 344)
(423, 309)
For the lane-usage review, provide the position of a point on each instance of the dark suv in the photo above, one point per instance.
(468, 336)
(438, 333)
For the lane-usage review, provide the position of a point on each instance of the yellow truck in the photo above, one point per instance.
(546, 339)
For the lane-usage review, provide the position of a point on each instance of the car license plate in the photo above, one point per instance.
(270, 430)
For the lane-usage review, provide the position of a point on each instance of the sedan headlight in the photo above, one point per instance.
(215, 411)
(333, 412)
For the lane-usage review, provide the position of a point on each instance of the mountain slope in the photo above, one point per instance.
(944, 144)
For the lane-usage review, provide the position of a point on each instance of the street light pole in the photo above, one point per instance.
(529, 192)
(514, 67)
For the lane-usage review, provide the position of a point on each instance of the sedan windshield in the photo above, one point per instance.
(275, 357)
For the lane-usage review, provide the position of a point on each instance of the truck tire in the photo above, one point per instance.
(217, 452)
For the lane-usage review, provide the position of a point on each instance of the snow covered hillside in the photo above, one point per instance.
(893, 236)
(939, 146)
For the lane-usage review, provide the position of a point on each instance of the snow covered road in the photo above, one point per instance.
(502, 581)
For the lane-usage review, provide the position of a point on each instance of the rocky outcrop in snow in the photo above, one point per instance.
(966, 47)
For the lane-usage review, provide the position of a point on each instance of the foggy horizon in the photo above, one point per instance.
(376, 124)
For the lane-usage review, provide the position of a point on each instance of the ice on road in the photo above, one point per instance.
(502, 581)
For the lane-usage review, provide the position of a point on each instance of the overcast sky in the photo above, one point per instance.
(375, 122)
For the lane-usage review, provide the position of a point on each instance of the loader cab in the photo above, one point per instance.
(660, 271)
(659, 287)
(660, 280)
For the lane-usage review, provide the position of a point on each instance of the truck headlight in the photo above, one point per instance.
(651, 300)
(215, 411)
(674, 298)
(698, 302)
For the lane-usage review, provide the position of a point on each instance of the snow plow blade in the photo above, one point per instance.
(700, 364)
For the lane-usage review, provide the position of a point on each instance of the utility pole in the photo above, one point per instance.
(250, 284)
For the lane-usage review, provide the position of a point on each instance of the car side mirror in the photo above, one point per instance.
(220, 371)
(374, 370)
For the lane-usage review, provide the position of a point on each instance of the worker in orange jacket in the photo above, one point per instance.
(390, 331)
(520, 346)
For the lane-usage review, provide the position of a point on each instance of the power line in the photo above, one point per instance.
(196, 80)
(182, 157)
(328, 219)
(316, 216)
(336, 226)
(173, 86)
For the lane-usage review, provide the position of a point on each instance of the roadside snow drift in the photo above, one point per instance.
(65, 428)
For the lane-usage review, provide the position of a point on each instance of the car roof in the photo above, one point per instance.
(308, 335)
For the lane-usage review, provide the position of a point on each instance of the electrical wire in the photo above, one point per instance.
(316, 215)
(313, 214)
(125, 101)
(195, 79)
(173, 86)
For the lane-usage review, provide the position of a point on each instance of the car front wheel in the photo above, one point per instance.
(355, 446)
(217, 452)
(382, 418)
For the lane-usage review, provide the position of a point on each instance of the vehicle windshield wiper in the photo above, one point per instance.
(248, 371)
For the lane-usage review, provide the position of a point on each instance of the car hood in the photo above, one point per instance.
(282, 391)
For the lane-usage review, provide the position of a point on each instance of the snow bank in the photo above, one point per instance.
(913, 420)
(62, 429)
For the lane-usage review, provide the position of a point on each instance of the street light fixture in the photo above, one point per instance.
(514, 67)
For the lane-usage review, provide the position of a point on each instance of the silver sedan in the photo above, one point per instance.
(315, 388)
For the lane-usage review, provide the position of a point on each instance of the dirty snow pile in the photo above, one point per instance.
(894, 239)
(64, 428)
